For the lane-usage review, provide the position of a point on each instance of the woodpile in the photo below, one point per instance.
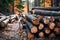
(41, 26)
(10, 19)
(46, 27)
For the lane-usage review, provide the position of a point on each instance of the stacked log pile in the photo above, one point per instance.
(43, 24)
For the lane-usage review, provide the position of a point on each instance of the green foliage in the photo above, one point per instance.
(4, 4)
(20, 5)
(41, 1)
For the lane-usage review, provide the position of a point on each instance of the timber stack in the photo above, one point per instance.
(43, 23)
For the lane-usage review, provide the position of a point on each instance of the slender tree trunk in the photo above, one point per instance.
(56, 3)
(36, 3)
(13, 8)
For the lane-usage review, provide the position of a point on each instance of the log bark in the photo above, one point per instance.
(47, 13)
(47, 8)
(32, 19)
(33, 29)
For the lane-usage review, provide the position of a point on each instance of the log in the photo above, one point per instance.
(33, 29)
(39, 17)
(52, 25)
(58, 24)
(47, 13)
(2, 18)
(47, 31)
(41, 26)
(5, 22)
(47, 8)
(46, 21)
(29, 34)
(41, 34)
(32, 19)
(52, 36)
(57, 30)
(3, 25)
(11, 19)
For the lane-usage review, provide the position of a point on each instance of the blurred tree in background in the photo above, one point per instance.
(20, 5)
(5, 4)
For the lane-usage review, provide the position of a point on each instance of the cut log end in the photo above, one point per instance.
(58, 24)
(30, 36)
(3, 25)
(57, 30)
(41, 26)
(34, 29)
(35, 21)
(47, 31)
(52, 25)
(46, 21)
(52, 35)
(41, 34)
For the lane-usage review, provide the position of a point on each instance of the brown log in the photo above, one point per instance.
(41, 26)
(41, 34)
(51, 25)
(31, 27)
(57, 30)
(29, 36)
(58, 24)
(47, 31)
(36, 22)
(52, 35)
(59, 18)
(46, 21)
(32, 19)
(34, 29)
(3, 25)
